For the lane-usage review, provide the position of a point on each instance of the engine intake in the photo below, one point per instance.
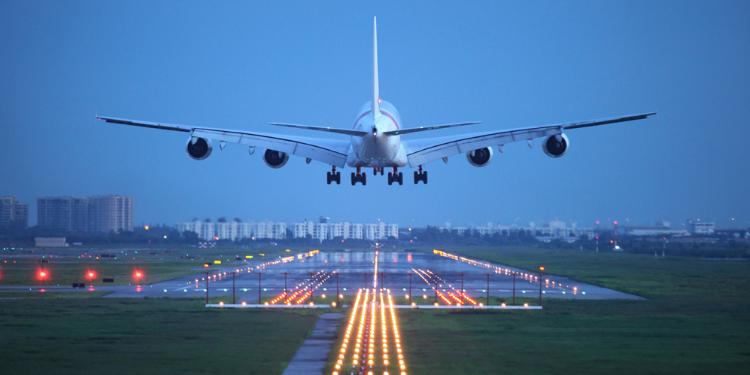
(199, 148)
(479, 157)
(555, 146)
(275, 159)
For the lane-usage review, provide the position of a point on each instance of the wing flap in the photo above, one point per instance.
(422, 151)
(329, 151)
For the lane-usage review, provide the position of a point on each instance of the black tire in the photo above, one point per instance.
(328, 178)
(400, 178)
(416, 177)
(353, 180)
(364, 178)
(424, 179)
(338, 178)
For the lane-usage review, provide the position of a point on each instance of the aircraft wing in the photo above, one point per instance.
(328, 151)
(422, 151)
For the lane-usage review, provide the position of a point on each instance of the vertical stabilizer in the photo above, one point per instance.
(375, 84)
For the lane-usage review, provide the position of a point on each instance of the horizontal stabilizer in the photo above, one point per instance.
(429, 127)
(357, 133)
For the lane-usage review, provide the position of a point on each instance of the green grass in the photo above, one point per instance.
(69, 270)
(696, 319)
(58, 335)
(158, 264)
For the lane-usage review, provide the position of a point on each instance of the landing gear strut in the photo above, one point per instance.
(359, 177)
(333, 176)
(420, 175)
(395, 176)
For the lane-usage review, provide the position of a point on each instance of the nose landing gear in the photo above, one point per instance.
(395, 176)
(359, 177)
(420, 175)
(333, 176)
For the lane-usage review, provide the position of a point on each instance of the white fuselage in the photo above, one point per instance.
(377, 149)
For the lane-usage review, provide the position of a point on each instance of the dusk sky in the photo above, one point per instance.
(242, 65)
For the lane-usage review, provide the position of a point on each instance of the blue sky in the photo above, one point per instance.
(241, 65)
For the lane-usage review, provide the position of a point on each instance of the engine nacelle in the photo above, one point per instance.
(555, 146)
(479, 157)
(199, 148)
(275, 159)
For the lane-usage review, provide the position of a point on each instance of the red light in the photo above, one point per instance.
(90, 275)
(42, 275)
(138, 275)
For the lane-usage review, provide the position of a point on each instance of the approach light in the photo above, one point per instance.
(90, 275)
(42, 274)
(138, 275)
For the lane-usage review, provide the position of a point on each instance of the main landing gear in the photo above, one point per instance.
(395, 176)
(333, 176)
(359, 177)
(420, 175)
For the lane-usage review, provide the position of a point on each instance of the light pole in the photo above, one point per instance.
(312, 287)
(411, 297)
(487, 299)
(234, 295)
(462, 288)
(207, 277)
(541, 281)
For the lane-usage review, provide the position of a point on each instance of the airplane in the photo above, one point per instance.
(375, 141)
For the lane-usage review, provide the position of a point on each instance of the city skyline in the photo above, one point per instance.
(727, 222)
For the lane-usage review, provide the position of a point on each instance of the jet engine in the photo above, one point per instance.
(275, 159)
(479, 157)
(199, 148)
(555, 146)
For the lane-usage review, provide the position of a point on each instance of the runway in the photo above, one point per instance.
(418, 277)
(397, 271)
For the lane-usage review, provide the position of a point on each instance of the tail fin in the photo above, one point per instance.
(375, 84)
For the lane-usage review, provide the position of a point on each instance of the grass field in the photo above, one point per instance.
(65, 267)
(67, 271)
(696, 319)
(69, 334)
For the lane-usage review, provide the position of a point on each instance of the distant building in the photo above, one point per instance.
(560, 230)
(553, 230)
(108, 213)
(345, 231)
(50, 242)
(661, 229)
(13, 214)
(701, 228)
(236, 230)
